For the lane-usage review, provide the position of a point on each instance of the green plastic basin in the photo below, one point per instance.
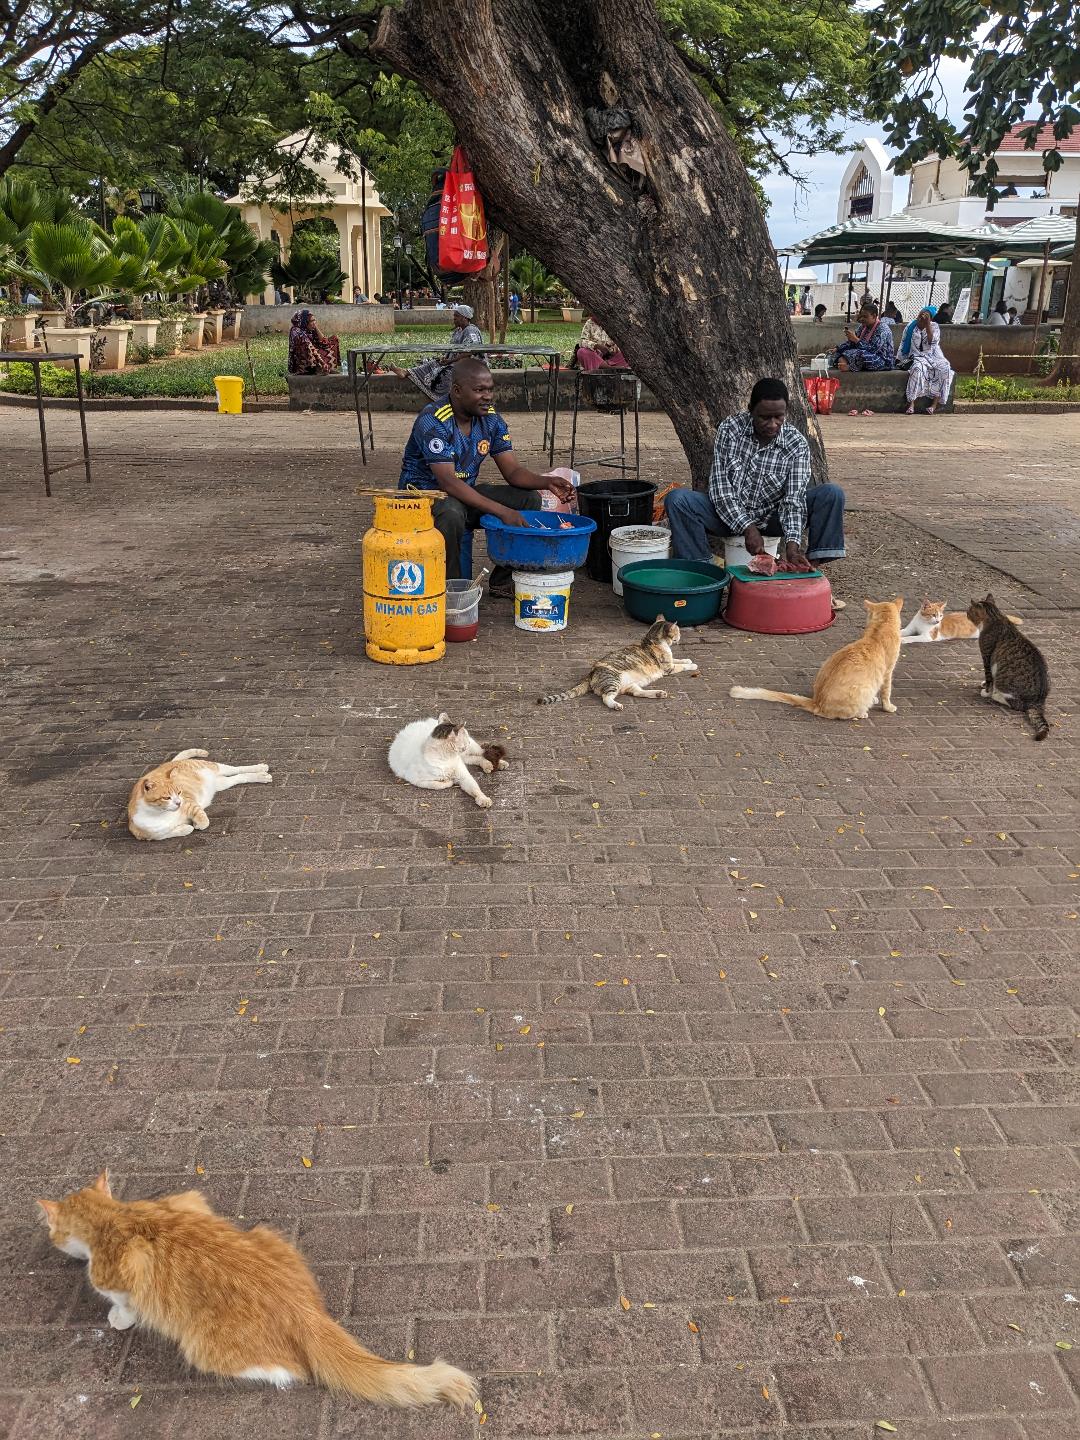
(686, 591)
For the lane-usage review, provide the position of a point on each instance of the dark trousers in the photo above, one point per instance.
(452, 519)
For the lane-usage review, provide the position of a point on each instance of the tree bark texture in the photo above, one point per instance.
(677, 265)
(1066, 371)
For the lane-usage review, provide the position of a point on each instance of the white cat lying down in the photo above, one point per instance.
(435, 754)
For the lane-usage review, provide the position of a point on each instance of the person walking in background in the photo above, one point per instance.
(515, 308)
(931, 374)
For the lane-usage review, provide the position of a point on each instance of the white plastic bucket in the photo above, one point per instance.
(736, 553)
(542, 602)
(636, 542)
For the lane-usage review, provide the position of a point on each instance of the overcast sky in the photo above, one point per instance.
(793, 216)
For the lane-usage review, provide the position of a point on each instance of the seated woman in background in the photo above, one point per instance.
(596, 349)
(868, 348)
(311, 352)
(931, 374)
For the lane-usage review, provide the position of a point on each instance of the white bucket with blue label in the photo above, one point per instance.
(542, 602)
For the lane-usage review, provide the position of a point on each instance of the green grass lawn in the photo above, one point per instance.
(192, 375)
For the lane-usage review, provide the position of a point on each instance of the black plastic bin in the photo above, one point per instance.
(612, 503)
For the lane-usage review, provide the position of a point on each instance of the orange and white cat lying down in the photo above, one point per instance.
(930, 623)
(171, 800)
(855, 677)
(239, 1303)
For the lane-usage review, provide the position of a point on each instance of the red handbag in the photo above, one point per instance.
(463, 243)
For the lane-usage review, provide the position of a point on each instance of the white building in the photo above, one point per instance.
(940, 190)
(353, 205)
(866, 192)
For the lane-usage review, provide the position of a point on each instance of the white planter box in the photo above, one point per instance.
(18, 332)
(116, 345)
(61, 341)
(144, 334)
(194, 328)
(215, 320)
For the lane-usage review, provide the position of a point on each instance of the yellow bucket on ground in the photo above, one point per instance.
(404, 581)
(230, 394)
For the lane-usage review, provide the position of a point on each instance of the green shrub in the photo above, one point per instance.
(18, 379)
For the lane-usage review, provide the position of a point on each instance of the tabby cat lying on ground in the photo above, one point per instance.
(239, 1303)
(627, 672)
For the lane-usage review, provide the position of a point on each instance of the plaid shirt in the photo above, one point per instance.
(750, 482)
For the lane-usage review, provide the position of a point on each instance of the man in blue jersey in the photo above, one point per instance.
(449, 443)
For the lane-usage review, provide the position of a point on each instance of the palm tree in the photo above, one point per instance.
(530, 278)
(149, 253)
(69, 258)
(21, 203)
(246, 258)
(312, 275)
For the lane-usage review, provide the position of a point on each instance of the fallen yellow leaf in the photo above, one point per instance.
(884, 1425)
(1064, 1345)
(783, 1300)
(765, 1392)
(576, 1114)
(498, 1045)
(692, 1327)
(134, 1401)
(524, 1029)
(305, 1162)
(1015, 1327)
(881, 1009)
(569, 1209)
(200, 1169)
(73, 1060)
(624, 1302)
(492, 1207)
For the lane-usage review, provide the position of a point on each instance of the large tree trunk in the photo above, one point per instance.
(1067, 371)
(680, 271)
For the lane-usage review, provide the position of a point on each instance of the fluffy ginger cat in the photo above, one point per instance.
(171, 800)
(850, 681)
(239, 1303)
(629, 671)
(435, 754)
(930, 623)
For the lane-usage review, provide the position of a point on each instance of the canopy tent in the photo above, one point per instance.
(898, 238)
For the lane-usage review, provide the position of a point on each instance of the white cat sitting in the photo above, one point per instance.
(435, 754)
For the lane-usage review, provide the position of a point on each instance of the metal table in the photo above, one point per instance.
(621, 379)
(374, 353)
(37, 358)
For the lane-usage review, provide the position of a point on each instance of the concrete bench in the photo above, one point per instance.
(882, 391)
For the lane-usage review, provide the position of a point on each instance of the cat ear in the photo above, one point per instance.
(989, 599)
(444, 718)
(148, 784)
(898, 601)
(659, 618)
(102, 1183)
(50, 1209)
(868, 605)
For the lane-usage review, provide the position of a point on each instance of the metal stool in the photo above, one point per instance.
(36, 359)
(621, 379)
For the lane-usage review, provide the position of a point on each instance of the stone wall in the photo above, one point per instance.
(961, 343)
(331, 319)
(515, 390)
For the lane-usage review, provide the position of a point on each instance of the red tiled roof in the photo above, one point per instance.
(1014, 143)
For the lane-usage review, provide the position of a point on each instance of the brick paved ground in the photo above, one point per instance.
(759, 1026)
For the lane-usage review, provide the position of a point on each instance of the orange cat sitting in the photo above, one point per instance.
(856, 677)
(170, 800)
(239, 1303)
(930, 623)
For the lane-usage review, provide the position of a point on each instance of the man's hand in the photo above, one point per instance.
(753, 541)
(794, 559)
(514, 517)
(558, 486)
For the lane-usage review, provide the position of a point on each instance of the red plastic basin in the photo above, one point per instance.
(795, 605)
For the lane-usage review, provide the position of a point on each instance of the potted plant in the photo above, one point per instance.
(571, 312)
(70, 259)
(17, 323)
(169, 318)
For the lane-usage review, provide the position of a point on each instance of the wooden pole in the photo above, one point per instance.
(881, 287)
(1039, 307)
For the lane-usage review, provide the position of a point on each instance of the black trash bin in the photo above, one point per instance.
(612, 503)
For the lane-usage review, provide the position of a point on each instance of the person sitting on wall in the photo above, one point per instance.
(449, 443)
(311, 352)
(999, 315)
(596, 350)
(944, 314)
(760, 485)
(433, 376)
(868, 348)
(819, 314)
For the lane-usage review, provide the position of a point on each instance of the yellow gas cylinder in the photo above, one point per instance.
(404, 581)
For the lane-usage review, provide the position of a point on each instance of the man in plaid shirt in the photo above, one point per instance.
(760, 484)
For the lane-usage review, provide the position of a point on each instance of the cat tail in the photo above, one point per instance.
(801, 702)
(1035, 716)
(190, 755)
(564, 694)
(339, 1362)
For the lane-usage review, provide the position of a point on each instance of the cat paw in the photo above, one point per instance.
(201, 822)
(121, 1319)
(504, 764)
(484, 802)
(888, 707)
(486, 766)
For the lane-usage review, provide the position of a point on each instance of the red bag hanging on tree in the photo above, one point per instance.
(463, 244)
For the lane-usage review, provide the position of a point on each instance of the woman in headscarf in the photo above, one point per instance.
(868, 348)
(433, 376)
(596, 349)
(903, 355)
(311, 352)
(931, 374)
